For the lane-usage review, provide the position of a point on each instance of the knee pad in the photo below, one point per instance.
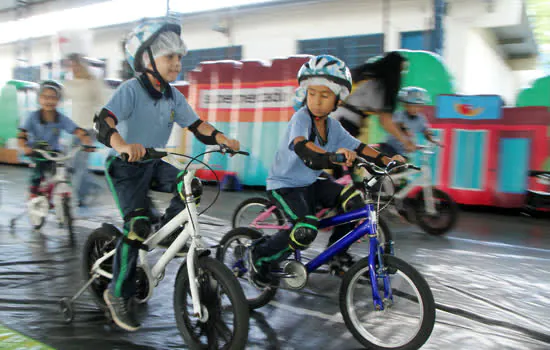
(138, 224)
(350, 199)
(304, 232)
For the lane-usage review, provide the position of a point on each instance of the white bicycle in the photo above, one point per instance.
(55, 189)
(431, 208)
(204, 288)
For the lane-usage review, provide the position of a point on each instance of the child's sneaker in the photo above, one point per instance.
(259, 275)
(119, 312)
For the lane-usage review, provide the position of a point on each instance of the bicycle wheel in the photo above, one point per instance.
(393, 327)
(250, 209)
(219, 293)
(445, 217)
(384, 235)
(38, 209)
(233, 253)
(100, 242)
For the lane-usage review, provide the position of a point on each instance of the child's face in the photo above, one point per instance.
(169, 66)
(413, 109)
(320, 100)
(48, 100)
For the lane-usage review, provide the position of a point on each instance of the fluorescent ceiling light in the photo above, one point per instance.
(186, 6)
(105, 14)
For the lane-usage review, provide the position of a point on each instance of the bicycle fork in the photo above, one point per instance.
(375, 256)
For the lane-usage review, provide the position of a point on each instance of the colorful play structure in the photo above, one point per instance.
(489, 148)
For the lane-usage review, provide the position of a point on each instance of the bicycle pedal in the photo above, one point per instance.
(337, 271)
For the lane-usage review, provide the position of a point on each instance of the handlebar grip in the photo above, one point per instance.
(243, 153)
(410, 166)
(337, 158)
(150, 153)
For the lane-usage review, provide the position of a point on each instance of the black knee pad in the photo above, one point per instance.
(139, 224)
(304, 232)
(350, 199)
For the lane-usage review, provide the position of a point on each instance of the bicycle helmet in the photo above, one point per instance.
(152, 38)
(51, 84)
(323, 70)
(414, 95)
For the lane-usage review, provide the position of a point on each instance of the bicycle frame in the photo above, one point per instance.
(424, 181)
(190, 231)
(257, 223)
(367, 227)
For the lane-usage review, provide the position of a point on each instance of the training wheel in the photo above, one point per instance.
(67, 310)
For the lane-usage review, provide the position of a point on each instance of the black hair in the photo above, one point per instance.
(387, 71)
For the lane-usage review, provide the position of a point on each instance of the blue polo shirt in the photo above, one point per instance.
(416, 125)
(40, 130)
(147, 116)
(288, 170)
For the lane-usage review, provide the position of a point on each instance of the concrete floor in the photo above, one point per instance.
(490, 278)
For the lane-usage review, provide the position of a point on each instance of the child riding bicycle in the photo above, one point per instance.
(44, 128)
(141, 114)
(292, 183)
(410, 120)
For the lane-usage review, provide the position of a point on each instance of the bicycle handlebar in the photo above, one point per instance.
(151, 153)
(49, 155)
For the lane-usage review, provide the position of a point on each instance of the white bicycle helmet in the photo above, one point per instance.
(51, 84)
(323, 70)
(142, 43)
(414, 95)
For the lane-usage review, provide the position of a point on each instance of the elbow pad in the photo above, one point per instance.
(312, 159)
(103, 129)
(207, 140)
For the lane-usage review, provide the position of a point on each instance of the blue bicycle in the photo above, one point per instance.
(378, 293)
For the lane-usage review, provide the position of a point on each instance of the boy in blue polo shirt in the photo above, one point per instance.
(310, 143)
(410, 120)
(42, 129)
(141, 114)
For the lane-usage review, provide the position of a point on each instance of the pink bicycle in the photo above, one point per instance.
(261, 214)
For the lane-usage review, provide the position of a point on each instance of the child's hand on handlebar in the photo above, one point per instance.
(398, 158)
(135, 151)
(231, 143)
(27, 150)
(350, 156)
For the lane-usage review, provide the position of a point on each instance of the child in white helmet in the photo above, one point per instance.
(141, 114)
(410, 120)
(309, 145)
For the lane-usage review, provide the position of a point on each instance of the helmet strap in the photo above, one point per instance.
(155, 73)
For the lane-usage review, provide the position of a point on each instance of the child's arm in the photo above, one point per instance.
(347, 141)
(70, 127)
(391, 127)
(22, 136)
(209, 135)
(315, 157)
(109, 136)
(119, 107)
(428, 134)
(186, 117)
(83, 136)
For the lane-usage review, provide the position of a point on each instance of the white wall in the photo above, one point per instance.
(271, 32)
(265, 34)
(504, 12)
(485, 71)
